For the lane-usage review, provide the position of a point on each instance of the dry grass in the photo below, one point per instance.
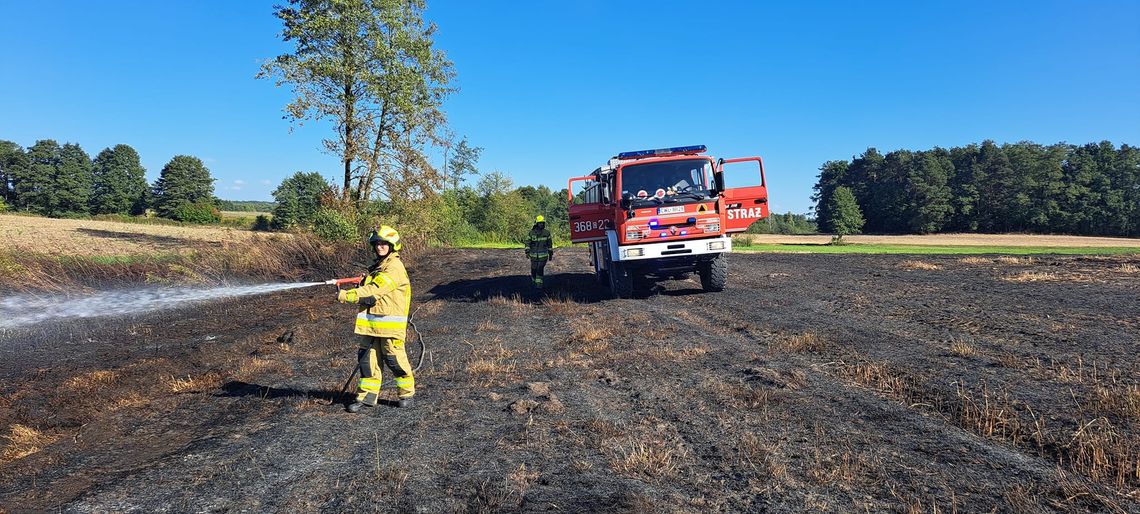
(89, 381)
(1101, 452)
(646, 459)
(762, 456)
(91, 238)
(562, 304)
(803, 342)
(1033, 276)
(880, 377)
(1121, 400)
(1011, 361)
(590, 340)
(919, 265)
(963, 349)
(513, 305)
(252, 368)
(211, 380)
(487, 326)
(665, 353)
(737, 394)
(1128, 268)
(522, 479)
(23, 441)
(993, 415)
(491, 364)
(974, 259)
(1011, 260)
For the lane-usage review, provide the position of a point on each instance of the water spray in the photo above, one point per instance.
(28, 309)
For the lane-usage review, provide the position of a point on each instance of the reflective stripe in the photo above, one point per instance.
(364, 319)
(373, 279)
(350, 296)
(371, 385)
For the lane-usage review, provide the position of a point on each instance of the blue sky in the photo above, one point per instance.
(552, 89)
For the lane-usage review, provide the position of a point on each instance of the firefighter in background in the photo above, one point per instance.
(540, 249)
(384, 297)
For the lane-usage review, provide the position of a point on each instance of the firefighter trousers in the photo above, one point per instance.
(391, 350)
(537, 269)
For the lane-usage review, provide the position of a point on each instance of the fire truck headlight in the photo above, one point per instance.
(716, 245)
(633, 252)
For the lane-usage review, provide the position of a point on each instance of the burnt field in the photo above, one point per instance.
(813, 383)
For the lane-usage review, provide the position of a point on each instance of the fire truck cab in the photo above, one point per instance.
(659, 214)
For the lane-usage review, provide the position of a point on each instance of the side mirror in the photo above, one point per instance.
(718, 177)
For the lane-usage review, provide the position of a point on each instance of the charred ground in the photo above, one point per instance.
(815, 382)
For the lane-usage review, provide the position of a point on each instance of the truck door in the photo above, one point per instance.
(589, 215)
(745, 198)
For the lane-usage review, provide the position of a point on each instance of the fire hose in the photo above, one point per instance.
(339, 282)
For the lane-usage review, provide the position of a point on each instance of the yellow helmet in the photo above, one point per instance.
(385, 234)
(539, 219)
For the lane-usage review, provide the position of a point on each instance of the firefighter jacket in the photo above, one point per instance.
(388, 283)
(539, 245)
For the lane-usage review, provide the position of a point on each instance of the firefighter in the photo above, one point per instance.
(539, 248)
(383, 297)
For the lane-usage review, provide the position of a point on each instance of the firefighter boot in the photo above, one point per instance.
(355, 407)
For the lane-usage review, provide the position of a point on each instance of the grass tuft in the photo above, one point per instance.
(23, 441)
(962, 349)
(919, 265)
(803, 342)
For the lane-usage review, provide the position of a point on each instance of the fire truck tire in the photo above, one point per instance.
(621, 281)
(714, 274)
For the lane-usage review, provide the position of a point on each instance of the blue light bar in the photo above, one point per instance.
(676, 150)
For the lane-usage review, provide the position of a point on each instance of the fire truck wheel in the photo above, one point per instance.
(621, 281)
(714, 274)
(602, 276)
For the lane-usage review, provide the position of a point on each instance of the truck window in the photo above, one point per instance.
(691, 176)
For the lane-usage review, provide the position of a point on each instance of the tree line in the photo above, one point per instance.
(1091, 189)
(64, 181)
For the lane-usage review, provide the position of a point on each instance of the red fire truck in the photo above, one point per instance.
(663, 214)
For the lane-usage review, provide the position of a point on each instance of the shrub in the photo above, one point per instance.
(331, 225)
(3, 206)
(197, 212)
(261, 223)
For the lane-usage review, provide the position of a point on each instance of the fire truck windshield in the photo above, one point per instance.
(654, 183)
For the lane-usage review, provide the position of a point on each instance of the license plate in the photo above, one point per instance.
(671, 210)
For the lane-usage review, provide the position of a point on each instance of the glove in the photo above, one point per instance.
(342, 295)
(367, 301)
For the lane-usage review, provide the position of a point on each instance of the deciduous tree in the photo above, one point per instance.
(370, 68)
(847, 217)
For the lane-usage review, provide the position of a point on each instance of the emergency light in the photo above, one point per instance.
(663, 152)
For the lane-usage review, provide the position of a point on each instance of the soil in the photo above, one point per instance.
(812, 383)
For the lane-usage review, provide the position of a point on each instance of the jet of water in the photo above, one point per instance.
(20, 310)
